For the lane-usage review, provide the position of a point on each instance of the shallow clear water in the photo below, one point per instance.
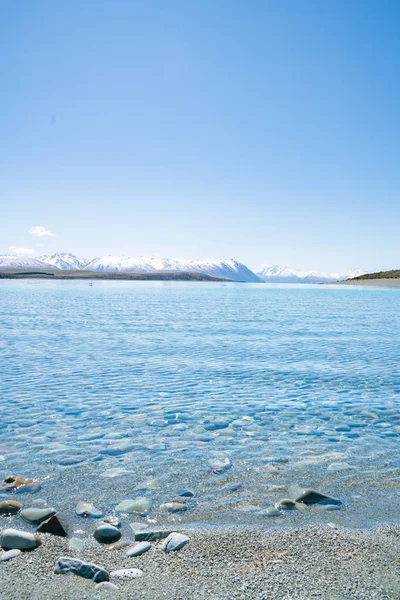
(295, 385)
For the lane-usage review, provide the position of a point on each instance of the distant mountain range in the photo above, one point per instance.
(226, 269)
(276, 274)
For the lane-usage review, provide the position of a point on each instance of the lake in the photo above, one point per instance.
(238, 393)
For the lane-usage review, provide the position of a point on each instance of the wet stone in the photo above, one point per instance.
(86, 509)
(35, 514)
(286, 504)
(174, 507)
(140, 506)
(9, 507)
(106, 533)
(55, 526)
(314, 497)
(220, 465)
(185, 494)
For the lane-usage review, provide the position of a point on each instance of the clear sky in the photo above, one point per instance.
(263, 130)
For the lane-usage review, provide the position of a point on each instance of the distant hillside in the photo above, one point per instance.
(157, 276)
(395, 274)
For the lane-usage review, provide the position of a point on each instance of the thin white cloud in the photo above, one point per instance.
(20, 251)
(40, 231)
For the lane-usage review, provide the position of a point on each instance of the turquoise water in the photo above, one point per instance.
(295, 385)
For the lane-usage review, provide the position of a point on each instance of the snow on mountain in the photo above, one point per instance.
(228, 269)
(65, 261)
(277, 274)
(10, 261)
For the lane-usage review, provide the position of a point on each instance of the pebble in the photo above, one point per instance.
(66, 565)
(139, 549)
(127, 573)
(106, 585)
(13, 538)
(140, 506)
(9, 507)
(37, 515)
(86, 509)
(107, 533)
(174, 507)
(9, 554)
(55, 526)
(175, 541)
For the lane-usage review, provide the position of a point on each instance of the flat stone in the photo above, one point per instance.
(107, 534)
(174, 507)
(35, 514)
(313, 497)
(66, 565)
(86, 509)
(139, 549)
(10, 554)
(127, 573)
(106, 585)
(13, 538)
(140, 506)
(175, 541)
(55, 525)
(9, 507)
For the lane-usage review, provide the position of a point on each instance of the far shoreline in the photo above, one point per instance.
(102, 276)
(384, 282)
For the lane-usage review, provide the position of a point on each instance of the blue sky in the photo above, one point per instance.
(263, 130)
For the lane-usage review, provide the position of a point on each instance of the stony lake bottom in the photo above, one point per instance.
(239, 393)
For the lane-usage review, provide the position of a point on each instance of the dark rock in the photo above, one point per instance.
(313, 497)
(67, 565)
(55, 525)
(185, 494)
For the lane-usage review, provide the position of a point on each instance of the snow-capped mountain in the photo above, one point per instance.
(228, 269)
(65, 261)
(10, 261)
(277, 274)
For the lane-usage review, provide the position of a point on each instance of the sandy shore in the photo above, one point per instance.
(293, 564)
(371, 282)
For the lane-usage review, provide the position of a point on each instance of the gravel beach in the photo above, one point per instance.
(292, 564)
